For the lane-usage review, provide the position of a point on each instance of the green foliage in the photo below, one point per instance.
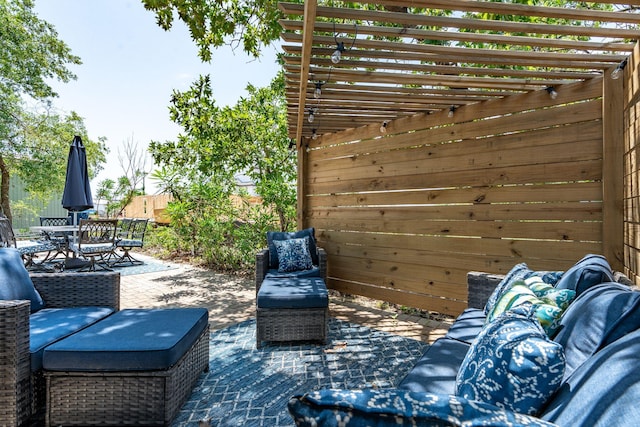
(34, 144)
(214, 23)
(30, 52)
(209, 216)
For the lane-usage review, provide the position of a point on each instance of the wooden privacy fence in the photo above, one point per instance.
(632, 168)
(406, 211)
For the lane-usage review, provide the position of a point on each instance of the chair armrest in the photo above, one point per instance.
(480, 286)
(15, 363)
(262, 266)
(78, 289)
(322, 263)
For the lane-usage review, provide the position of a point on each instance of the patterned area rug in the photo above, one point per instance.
(250, 387)
(149, 266)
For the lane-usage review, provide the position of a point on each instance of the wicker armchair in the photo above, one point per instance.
(289, 324)
(22, 392)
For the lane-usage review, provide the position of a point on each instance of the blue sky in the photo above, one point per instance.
(130, 68)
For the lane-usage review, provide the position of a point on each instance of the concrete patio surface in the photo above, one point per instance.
(231, 299)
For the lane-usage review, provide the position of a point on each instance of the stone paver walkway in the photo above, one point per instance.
(231, 299)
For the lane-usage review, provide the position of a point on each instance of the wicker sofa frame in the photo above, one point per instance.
(22, 392)
(276, 324)
(125, 398)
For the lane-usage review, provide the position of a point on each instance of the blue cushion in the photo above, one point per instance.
(283, 235)
(467, 325)
(129, 340)
(601, 314)
(512, 364)
(392, 407)
(589, 271)
(436, 370)
(52, 324)
(293, 254)
(604, 391)
(300, 292)
(15, 283)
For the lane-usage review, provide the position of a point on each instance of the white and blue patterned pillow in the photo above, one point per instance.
(512, 364)
(393, 407)
(293, 255)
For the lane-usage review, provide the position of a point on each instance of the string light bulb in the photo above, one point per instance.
(383, 127)
(452, 110)
(552, 92)
(312, 115)
(617, 73)
(314, 135)
(336, 56)
(318, 90)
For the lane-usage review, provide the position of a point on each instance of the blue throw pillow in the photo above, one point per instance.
(293, 255)
(15, 283)
(512, 364)
(393, 407)
(272, 236)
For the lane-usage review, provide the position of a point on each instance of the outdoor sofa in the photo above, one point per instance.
(70, 356)
(73, 301)
(579, 369)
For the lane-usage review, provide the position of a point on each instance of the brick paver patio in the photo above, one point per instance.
(231, 299)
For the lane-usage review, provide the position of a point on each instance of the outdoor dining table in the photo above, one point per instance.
(55, 229)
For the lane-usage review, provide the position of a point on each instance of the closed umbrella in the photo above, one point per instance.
(77, 190)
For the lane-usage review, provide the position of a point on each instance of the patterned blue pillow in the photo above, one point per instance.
(512, 364)
(518, 272)
(293, 255)
(393, 407)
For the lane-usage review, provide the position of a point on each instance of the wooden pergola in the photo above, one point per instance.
(444, 142)
(436, 62)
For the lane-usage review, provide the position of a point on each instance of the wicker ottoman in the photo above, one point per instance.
(292, 309)
(135, 367)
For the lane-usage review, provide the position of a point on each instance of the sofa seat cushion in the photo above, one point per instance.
(392, 407)
(512, 364)
(604, 391)
(467, 325)
(600, 315)
(129, 340)
(52, 324)
(293, 292)
(15, 283)
(436, 370)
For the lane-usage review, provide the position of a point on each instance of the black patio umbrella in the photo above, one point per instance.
(77, 190)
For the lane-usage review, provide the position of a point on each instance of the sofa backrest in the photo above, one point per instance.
(599, 316)
(591, 270)
(603, 391)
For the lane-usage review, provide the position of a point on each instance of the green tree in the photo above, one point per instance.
(34, 144)
(201, 169)
(38, 150)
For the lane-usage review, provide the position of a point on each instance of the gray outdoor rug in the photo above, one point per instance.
(149, 266)
(250, 387)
